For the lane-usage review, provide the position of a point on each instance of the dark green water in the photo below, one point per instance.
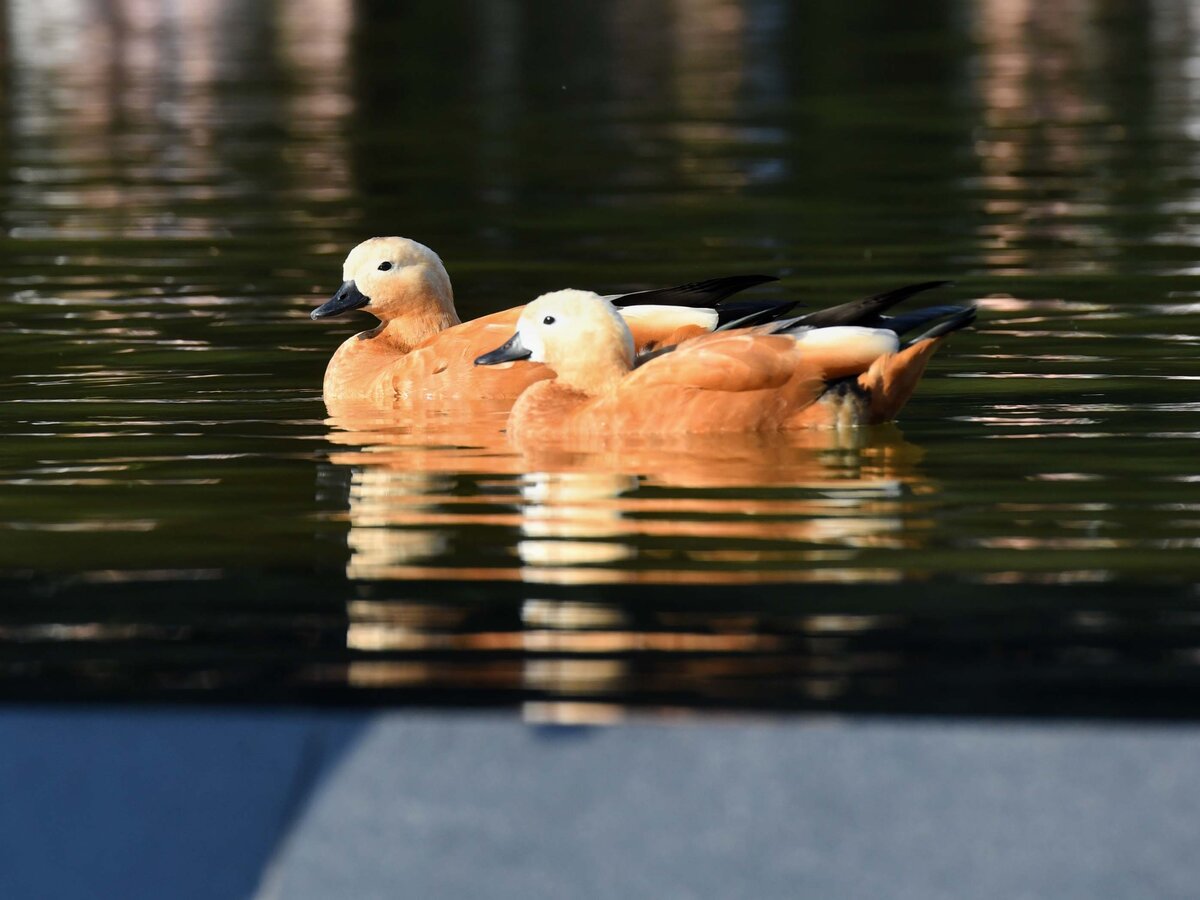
(180, 520)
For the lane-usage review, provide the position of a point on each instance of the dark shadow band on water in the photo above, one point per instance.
(941, 648)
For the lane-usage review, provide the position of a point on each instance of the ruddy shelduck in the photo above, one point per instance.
(422, 351)
(808, 372)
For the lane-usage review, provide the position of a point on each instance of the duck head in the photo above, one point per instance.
(579, 334)
(389, 277)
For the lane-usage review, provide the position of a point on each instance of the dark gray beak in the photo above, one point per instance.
(507, 352)
(348, 297)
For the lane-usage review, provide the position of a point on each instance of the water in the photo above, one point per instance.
(183, 519)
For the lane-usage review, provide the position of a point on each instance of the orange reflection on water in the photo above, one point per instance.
(687, 509)
(683, 511)
(570, 650)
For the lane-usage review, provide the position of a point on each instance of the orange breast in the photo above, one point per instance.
(443, 367)
(439, 370)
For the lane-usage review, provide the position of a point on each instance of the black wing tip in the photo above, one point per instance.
(723, 282)
(959, 320)
(917, 318)
(749, 313)
(868, 311)
(695, 293)
(900, 294)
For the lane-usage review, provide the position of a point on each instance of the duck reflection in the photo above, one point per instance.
(440, 498)
(569, 519)
(435, 499)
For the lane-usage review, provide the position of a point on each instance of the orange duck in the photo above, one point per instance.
(422, 351)
(839, 367)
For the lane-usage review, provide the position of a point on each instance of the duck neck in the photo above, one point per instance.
(416, 325)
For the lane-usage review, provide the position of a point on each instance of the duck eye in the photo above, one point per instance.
(549, 320)
(384, 266)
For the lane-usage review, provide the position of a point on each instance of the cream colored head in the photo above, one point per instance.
(392, 277)
(580, 336)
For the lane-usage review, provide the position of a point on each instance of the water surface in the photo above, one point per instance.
(183, 518)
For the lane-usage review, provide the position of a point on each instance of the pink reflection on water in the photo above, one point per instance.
(125, 126)
(1042, 133)
(606, 512)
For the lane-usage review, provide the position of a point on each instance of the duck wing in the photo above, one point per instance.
(868, 312)
(706, 293)
(722, 362)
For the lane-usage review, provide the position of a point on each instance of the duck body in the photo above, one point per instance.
(421, 351)
(377, 365)
(723, 383)
(749, 380)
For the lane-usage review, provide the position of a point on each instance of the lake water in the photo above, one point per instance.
(183, 519)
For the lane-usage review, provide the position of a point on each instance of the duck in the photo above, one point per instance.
(421, 351)
(842, 367)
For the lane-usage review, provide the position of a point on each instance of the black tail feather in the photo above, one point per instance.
(964, 317)
(867, 312)
(695, 294)
(744, 313)
(906, 322)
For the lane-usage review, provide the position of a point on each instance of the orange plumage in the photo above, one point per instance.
(421, 352)
(748, 380)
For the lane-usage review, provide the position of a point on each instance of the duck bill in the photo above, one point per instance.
(348, 297)
(510, 350)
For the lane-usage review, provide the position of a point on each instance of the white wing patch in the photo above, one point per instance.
(669, 318)
(850, 338)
